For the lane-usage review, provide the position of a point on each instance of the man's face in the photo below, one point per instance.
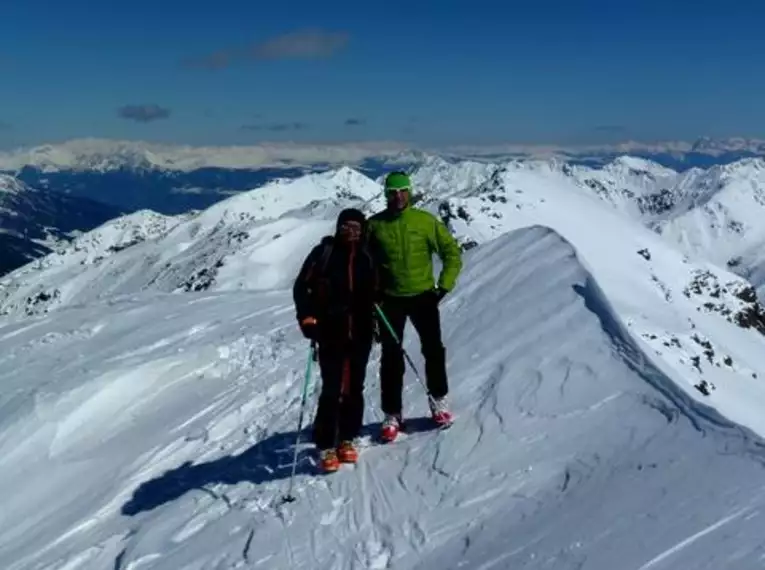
(397, 199)
(350, 231)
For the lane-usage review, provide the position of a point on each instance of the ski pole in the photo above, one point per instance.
(289, 497)
(403, 350)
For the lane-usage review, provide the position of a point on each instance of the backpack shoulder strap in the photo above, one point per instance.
(325, 253)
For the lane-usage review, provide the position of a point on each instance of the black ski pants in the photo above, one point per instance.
(341, 402)
(426, 319)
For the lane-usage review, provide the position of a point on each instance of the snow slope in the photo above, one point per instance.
(704, 324)
(713, 214)
(155, 432)
(722, 216)
(439, 176)
(334, 187)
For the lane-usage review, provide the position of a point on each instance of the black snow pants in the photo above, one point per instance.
(426, 319)
(341, 402)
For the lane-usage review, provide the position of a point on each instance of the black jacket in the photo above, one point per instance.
(338, 285)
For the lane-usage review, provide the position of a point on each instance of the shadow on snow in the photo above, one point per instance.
(266, 461)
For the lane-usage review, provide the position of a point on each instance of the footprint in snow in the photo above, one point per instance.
(377, 555)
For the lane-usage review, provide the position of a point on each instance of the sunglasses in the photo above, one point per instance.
(394, 191)
(350, 228)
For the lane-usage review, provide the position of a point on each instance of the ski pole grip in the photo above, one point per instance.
(314, 351)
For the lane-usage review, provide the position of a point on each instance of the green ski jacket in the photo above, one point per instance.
(405, 242)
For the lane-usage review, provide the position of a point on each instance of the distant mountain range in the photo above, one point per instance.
(58, 191)
(172, 179)
(712, 214)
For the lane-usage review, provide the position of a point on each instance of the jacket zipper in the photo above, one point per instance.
(351, 259)
(402, 241)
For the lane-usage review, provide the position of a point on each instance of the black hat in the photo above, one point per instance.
(351, 215)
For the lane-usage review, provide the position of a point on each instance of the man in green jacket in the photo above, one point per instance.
(404, 239)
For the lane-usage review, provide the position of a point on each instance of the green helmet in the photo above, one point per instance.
(397, 181)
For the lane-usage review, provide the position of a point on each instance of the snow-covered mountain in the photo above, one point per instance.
(607, 385)
(155, 431)
(257, 240)
(246, 241)
(710, 214)
(33, 221)
(633, 265)
(714, 214)
(719, 213)
(439, 177)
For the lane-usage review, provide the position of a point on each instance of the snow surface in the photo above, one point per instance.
(155, 432)
(607, 389)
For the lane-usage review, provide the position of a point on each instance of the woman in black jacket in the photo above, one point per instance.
(334, 294)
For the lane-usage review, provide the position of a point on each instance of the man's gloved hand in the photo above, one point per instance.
(439, 293)
(309, 326)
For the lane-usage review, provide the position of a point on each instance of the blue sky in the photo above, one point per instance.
(241, 72)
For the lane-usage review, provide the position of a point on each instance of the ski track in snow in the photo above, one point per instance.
(691, 539)
(158, 435)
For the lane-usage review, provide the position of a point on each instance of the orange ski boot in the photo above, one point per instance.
(347, 452)
(390, 428)
(329, 461)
